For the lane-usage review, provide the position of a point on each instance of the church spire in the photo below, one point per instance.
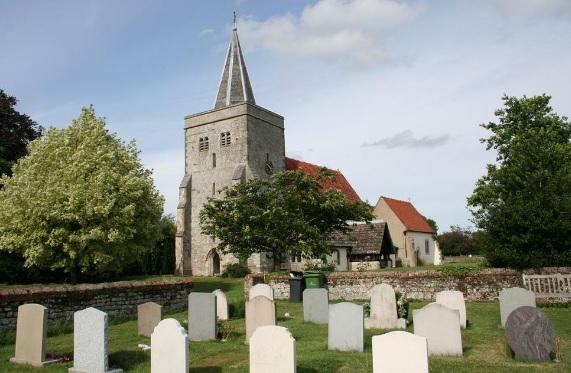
(235, 84)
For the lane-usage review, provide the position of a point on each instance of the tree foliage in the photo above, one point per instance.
(432, 224)
(286, 214)
(16, 132)
(459, 241)
(523, 203)
(80, 201)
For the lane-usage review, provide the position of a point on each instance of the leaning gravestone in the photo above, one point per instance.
(90, 342)
(261, 289)
(441, 327)
(260, 311)
(345, 327)
(400, 352)
(201, 316)
(149, 315)
(221, 304)
(316, 305)
(530, 334)
(31, 328)
(454, 300)
(272, 349)
(169, 348)
(512, 298)
(383, 308)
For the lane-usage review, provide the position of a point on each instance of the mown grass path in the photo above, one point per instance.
(484, 343)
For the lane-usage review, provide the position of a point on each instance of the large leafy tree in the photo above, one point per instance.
(523, 203)
(286, 214)
(80, 201)
(16, 132)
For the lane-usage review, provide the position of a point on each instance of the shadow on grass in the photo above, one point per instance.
(127, 360)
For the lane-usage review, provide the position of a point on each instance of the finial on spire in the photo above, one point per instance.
(235, 26)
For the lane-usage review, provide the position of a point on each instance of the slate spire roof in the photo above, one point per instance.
(235, 84)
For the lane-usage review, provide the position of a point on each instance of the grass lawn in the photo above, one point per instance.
(484, 346)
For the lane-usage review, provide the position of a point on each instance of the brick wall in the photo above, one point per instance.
(115, 298)
(483, 285)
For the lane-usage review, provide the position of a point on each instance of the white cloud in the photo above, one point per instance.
(346, 31)
(534, 6)
(406, 139)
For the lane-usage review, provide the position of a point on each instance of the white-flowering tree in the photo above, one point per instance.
(81, 200)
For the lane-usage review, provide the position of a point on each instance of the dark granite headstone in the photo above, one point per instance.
(530, 334)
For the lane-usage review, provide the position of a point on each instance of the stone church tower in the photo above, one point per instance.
(235, 141)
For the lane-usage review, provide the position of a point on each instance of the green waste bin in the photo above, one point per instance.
(314, 280)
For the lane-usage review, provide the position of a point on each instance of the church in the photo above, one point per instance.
(236, 141)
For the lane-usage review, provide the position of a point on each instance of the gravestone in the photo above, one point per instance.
(261, 289)
(202, 316)
(272, 349)
(260, 311)
(316, 305)
(400, 352)
(90, 342)
(31, 328)
(345, 330)
(530, 334)
(169, 348)
(221, 304)
(383, 313)
(440, 326)
(149, 315)
(454, 300)
(512, 298)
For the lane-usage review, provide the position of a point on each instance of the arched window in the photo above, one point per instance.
(426, 247)
(203, 144)
(225, 139)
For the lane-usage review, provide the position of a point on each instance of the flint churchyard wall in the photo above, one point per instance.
(117, 299)
(480, 286)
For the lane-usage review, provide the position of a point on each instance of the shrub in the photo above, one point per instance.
(235, 270)
(323, 267)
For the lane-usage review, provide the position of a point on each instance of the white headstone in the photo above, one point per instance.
(316, 306)
(261, 289)
(400, 352)
(221, 304)
(345, 331)
(260, 311)
(441, 327)
(512, 298)
(202, 316)
(90, 342)
(169, 348)
(383, 313)
(454, 300)
(272, 349)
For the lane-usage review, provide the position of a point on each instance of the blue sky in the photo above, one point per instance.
(390, 92)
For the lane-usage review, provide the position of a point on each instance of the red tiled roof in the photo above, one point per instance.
(338, 182)
(408, 215)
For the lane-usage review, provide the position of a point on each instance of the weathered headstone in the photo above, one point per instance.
(202, 316)
(90, 342)
(221, 304)
(261, 289)
(169, 348)
(345, 327)
(400, 352)
(260, 311)
(149, 315)
(383, 313)
(31, 328)
(272, 349)
(316, 305)
(441, 327)
(512, 298)
(454, 300)
(530, 334)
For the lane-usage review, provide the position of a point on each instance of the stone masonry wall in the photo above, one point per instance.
(115, 298)
(483, 285)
